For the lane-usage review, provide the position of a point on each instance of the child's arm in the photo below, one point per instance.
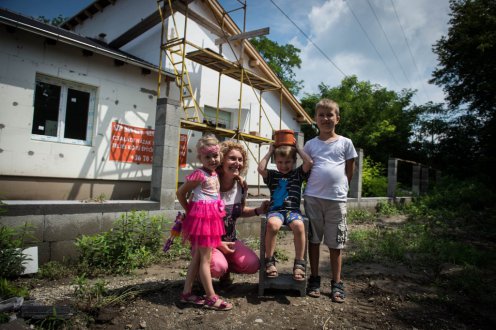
(349, 168)
(182, 191)
(307, 161)
(262, 166)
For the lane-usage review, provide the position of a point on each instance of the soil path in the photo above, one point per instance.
(378, 297)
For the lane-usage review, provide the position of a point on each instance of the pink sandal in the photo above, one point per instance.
(189, 298)
(218, 304)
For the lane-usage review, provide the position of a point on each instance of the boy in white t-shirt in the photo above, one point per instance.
(326, 194)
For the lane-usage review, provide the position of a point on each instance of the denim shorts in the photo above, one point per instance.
(286, 216)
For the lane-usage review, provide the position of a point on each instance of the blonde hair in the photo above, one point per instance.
(206, 141)
(226, 147)
(327, 104)
(285, 151)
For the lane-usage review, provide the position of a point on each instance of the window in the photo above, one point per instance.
(63, 111)
(224, 120)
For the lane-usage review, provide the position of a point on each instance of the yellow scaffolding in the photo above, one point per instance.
(174, 49)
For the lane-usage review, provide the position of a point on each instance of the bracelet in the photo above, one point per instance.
(256, 212)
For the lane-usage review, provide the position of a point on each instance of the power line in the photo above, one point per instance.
(409, 48)
(310, 40)
(389, 43)
(372, 43)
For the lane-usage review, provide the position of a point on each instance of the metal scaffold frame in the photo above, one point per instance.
(174, 49)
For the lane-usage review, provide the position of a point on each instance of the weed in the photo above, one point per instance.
(12, 240)
(92, 297)
(360, 216)
(54, 270)
(387, 209)
(132, 243)
(9, 290)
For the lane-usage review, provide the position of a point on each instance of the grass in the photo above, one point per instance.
(446, 232)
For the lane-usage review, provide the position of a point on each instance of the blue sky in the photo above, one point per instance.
(386, 42)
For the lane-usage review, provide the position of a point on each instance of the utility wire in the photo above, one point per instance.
(389, 43)
(372, 43)
(409, 48)
(310, 40)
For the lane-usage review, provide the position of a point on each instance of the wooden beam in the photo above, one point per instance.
(253, 63)
(144, 25)
(88, 13)
(244, 35)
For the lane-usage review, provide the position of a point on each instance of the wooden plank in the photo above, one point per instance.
(244, 35)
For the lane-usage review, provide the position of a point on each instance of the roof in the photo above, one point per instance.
(31, 25)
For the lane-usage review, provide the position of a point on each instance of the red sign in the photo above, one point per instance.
(183, 149)
(131, 144)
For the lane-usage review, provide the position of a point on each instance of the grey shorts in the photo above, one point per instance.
(327, 220)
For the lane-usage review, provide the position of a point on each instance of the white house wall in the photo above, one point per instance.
(119, 96)
(116, 19)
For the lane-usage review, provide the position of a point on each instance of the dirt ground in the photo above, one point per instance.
(378, 297)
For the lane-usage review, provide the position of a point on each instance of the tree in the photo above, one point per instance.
(467, 57)
(57, 21)
(467, 72)
(376, 119)
(282, 59)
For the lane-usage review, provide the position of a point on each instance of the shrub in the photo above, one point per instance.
(374, 181)
(12, 241)
(53, 270)
(132, 243)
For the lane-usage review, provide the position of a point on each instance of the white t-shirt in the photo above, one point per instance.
(328, 177)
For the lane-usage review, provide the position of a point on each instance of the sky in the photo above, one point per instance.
(385, 42)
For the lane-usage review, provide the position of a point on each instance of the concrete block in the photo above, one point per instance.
(63, 251)
(69, 226)
(107, 220)
(167, 198)
(43, 252)
(36, 222)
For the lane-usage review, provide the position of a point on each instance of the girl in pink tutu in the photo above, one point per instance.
(203, 225)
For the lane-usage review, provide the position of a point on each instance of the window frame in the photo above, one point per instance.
(65, 85)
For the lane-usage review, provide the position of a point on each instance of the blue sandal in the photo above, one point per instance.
(337, 292)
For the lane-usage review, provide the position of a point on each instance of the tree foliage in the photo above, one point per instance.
(376, 119)
(467, 73)
(57, 21)
(467, 56)
(282, 59)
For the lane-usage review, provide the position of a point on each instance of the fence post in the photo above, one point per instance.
(392, 177)
(356, 181)
(416, 179)
(165, 153)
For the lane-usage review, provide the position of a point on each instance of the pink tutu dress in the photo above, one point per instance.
(204, 225)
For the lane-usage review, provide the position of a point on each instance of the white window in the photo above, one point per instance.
(63, 111)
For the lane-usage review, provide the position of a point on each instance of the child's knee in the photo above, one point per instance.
(297, 227)
(274, 224)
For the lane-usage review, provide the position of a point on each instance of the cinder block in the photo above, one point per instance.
(63, 251)
(36, 222)
(107, 220)
(60, 227)
(43, 253)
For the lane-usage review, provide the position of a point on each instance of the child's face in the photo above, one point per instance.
(326, 119)
(284, 164)
(210, 160)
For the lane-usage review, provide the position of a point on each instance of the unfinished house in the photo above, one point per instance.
(101, 115)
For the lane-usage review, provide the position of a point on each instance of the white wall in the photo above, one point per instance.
(118, 98)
